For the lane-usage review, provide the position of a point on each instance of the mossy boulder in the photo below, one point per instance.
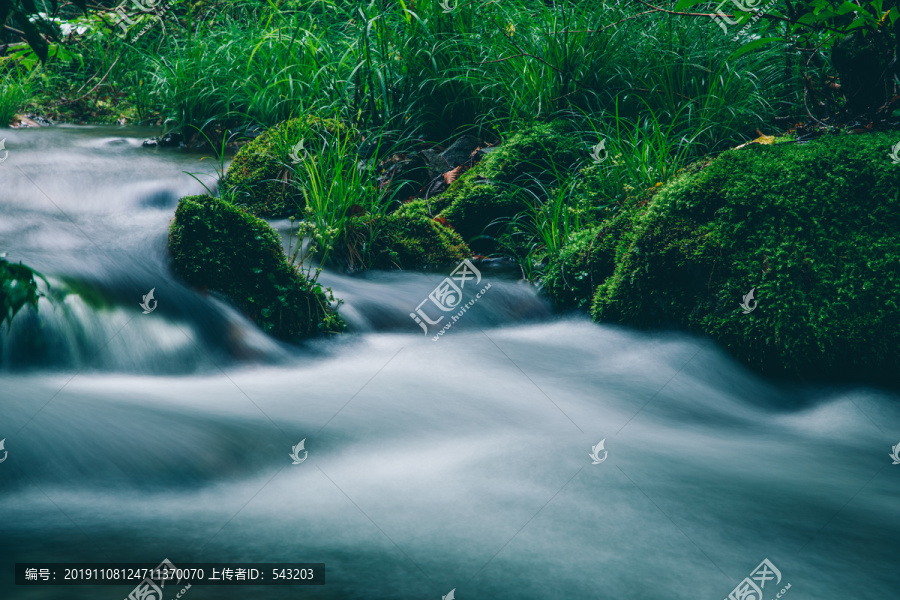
(479, 207)
(218, 246)
(412, 241)
(262, 178)
(538, 151)
(405, 239)
(497, 188)
(814, 229)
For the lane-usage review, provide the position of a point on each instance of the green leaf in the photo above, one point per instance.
(750, 46)
(683, 4)
(35, 41)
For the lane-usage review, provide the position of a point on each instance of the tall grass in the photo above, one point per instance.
(338, 188)
(16, 88)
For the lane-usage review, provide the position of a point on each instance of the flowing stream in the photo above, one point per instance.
(461, 464)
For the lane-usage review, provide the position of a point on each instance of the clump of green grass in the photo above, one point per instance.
(16, 87)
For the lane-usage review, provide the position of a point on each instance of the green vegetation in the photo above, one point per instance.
(18, 289)
(262, 176)
(219, 247)
(413, 240)
(812, 227)
(597, 121)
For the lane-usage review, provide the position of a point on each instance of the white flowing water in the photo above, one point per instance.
(461, 464)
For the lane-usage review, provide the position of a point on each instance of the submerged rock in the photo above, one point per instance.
(215, 245)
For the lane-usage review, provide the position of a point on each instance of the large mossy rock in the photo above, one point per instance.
(497, 188)
(262, 178)
(813, 228)
(216, 245)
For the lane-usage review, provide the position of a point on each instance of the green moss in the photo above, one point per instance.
(18, 288)
(418, 241)
(571, 278)
(406, 239)
(538, 150)
(814, 228)
(494, 190)
(477, 207)
(216, 245)
(261, 176)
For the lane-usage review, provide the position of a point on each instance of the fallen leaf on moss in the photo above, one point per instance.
(453, 174)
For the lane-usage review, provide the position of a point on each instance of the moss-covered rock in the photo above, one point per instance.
(569, 280)
(261, 176)
(414, 241)
(476, 207)
(406, 239)
(495, 189)
(537, 151)
(814, 229)
(218, 246)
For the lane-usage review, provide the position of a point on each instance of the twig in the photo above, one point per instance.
(99, 83)
(517, 47)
